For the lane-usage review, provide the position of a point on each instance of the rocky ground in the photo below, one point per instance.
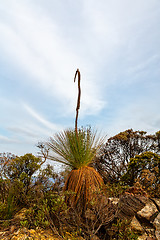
(148, 220)
(146, 223)
(25, 234)
(12, 231)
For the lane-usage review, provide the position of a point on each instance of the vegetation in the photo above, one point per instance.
(53, 200)
(113, 161)
(75, 203)
(19, 186)
(77, 149)
(145, 169)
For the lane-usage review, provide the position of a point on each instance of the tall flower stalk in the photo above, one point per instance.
(79, 96)
(77, 149)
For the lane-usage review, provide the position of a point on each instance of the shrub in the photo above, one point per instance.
(145, 169)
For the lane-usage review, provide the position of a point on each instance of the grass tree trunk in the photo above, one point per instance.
(85, 183)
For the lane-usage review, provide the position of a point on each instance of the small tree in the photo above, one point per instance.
(5, 159)
(118, 150)
(23, 168)
(145, 169)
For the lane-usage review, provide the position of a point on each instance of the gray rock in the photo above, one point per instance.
(157, 233)
(136, 226)
(128, 206)
(151, 238)
(157, 201)
(156, 222)
(114, 201)
(143, 237)
(148, 211)
(146, 237)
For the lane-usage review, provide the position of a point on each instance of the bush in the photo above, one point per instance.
(46, 213)
(121, 230)
(145, 169)
(116, 189)
(23, 182)
(115, 156)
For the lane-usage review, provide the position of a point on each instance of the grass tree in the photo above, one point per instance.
(77, 149)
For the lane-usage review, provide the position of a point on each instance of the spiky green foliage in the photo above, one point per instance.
(75, 149)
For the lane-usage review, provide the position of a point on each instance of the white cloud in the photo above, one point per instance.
(34, 45)
(42, 43)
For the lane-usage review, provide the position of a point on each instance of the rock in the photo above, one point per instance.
(156, 223)
(136, 226)
(148, 211)
(29, 234)
(150, 238)
(157, 233)
(143, 237)
(157, 201)
(150, 231)
(128, 206)
(1, 234)
(114, 201)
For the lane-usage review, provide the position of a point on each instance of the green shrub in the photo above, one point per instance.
(145, 169)
(116, 189)
(46, 211)
(121, 231)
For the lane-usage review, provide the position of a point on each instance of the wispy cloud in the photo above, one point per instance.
(4, 140)
(115, 44)
(23, 132)
(42, 54)
(40, 119)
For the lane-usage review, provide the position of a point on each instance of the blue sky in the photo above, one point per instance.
(114, 43)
